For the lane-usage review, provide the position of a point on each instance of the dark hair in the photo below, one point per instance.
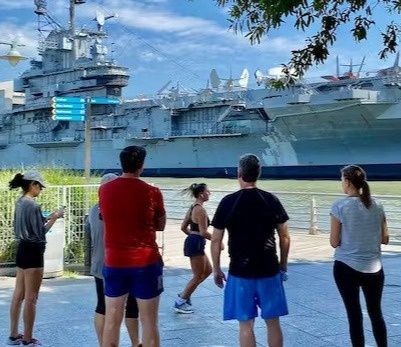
(249, 168)
(195, 189)
(357, 176)
(132, 158)
(19, 182)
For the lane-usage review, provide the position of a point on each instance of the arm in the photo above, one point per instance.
(284, 241)
(385, 233)
(52, 219)
(335, 232)
(185, 222)
(215, 248)
(160, 212)
(200, 216)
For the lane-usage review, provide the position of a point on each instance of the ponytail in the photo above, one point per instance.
(19, 182)
(365, 196)
(194, 189)
(357, 176)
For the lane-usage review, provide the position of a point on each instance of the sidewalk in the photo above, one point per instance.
(317, 316)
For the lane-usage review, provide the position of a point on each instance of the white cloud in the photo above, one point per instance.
(15, 5)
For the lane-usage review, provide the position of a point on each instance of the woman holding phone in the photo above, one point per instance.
(30, 229)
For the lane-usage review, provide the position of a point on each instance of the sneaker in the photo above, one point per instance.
(32, 343)
(15, 341)
(189, 302)
(183, 308)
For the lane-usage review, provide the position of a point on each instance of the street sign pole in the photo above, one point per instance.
(88, 141)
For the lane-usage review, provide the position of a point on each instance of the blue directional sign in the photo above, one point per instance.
(68, 108)
(105, 101)
(68, 100)
(71, 118)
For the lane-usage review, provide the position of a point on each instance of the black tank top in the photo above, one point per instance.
(192, 225)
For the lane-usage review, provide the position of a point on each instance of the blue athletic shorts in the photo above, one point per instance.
(141, 282)
(194, 245)
(243, 296)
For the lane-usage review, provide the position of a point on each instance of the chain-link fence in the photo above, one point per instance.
(308, 211)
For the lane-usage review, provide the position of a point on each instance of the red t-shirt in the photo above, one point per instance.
(130, 208)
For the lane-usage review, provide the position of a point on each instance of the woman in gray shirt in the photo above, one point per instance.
(358, 228)
(30, 231)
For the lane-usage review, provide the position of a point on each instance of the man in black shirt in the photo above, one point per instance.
(255, 275)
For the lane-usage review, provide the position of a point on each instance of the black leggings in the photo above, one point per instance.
(348, 283)
(131, 307)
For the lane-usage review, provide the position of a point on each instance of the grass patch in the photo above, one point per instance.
(70, 274)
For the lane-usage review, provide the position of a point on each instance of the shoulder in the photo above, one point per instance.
(269, 197)
(28, 204)
(341, 202)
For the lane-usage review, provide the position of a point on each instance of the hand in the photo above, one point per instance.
(219, 278)
(284, 275)
(58, 214)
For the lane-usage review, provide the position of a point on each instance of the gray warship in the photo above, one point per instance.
(306, 131)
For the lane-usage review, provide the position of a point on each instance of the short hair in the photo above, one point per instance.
(132, 158)
(249, 168)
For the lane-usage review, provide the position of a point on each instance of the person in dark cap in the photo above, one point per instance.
(30, 228)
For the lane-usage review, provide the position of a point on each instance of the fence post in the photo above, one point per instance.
(313, 229)
(67, 212)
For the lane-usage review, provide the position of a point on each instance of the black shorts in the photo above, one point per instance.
(30, 254)
(131, 308)
(194, 245)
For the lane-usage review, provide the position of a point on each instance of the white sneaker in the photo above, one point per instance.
(183, 308)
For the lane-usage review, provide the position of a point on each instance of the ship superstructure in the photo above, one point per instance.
(307, 130)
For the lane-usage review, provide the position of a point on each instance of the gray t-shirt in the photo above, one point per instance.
(29, 224)
(95, 225)
(361, 234)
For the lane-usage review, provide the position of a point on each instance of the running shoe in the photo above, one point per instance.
(32, 343)
(183, 308)
(15, 341)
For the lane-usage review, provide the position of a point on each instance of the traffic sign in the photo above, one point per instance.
(70, 118)
(69, 111)
(68, 100)
(105, 101)
(69, 106)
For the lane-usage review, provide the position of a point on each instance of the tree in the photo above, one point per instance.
(259, 17)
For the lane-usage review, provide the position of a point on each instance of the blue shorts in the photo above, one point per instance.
(243, 296)
(140, 282)
(194, 245)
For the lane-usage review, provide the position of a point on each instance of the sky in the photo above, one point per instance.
(181, 41)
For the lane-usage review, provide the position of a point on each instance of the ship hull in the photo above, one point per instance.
(218, 157)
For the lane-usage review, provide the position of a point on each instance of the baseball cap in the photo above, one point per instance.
(34, 176)
(107, 178)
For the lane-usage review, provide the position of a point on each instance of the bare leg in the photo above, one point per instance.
(114, 317)
(274, 334)
(16, 302)
(201, 269)
(99, 326)
(32, 280)
(246, 333)
(133, 330)
(148, 313)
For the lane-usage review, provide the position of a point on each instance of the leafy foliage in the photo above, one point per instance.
(259, 17)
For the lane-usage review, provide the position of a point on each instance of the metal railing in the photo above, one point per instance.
(308, 211)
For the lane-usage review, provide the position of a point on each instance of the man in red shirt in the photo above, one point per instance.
(132, 212)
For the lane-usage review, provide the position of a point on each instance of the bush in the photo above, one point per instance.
(8, 253)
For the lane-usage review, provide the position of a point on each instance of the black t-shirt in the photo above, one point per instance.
(251, 217)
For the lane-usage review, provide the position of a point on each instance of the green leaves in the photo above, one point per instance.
(259, 17)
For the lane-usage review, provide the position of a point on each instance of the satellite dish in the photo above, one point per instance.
(214, 79)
